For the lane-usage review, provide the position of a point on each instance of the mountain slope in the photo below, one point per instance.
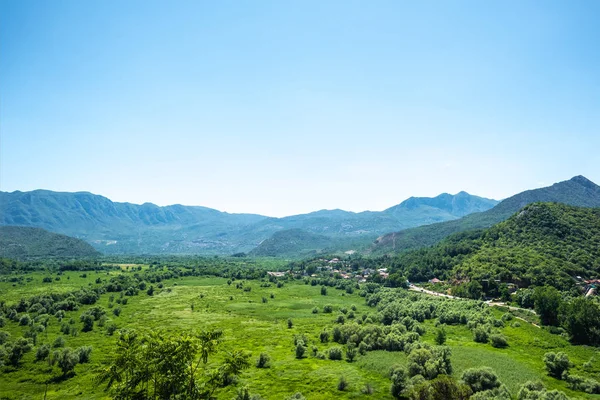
(577, 191)
(19, 241)
(544, 243)
(117, 228)
(292, 242)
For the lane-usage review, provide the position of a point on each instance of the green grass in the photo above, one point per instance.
(250, 324)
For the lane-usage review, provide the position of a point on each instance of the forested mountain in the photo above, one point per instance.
(577, 191)
(294, 243)
(19, 241)
(544, 243)
(115, 227)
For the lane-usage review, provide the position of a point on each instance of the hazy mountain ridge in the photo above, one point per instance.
(114, 227)
(577, 191)
(20, 241)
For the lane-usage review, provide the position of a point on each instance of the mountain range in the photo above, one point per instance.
(577, 191)
(117, 228)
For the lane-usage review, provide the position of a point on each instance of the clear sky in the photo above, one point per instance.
(283, 107)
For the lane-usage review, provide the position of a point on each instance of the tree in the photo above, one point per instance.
(547, 302)
(557, 364)
(351, 352)
(66, 360)
(480, 379)
(323, 290)
(399, 378)
(300, 350)
(440, 336)
(16, 350)
(581, 319)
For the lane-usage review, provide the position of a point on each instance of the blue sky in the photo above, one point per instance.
(283, 107)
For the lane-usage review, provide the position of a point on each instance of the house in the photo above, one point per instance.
(276, 274)
(435, 280)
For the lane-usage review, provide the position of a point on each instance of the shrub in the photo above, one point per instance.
(290, 324)
(324, 336)
(480, 379)
(24, 320)
(42, 352)
(367, 389)
(300, 350)
(117, 311)
(351, 352)
(398, 377)
(296, 396)
(323, 290)
(340, 319)
(83, 353)
(263, 361)
(315, 310)
(328, 309)
(58, 342)
(480, 334)
(498, 341)
(335, 353)
(440, 336)
(557, 364)
(342, 384)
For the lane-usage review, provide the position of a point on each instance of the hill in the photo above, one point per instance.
(577, 191)
(292, 243)
(19, 241)
(544, 243)
(117, 228)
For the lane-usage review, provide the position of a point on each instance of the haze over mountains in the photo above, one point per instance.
(577, 191)
(115, 228)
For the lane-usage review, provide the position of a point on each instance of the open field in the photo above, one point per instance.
(256, 325)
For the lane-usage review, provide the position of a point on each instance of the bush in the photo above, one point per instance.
(480, 334)
(340, 319)
(480, 379)
(557, 364)
(24, 320)
(296, 396)
(324, 336)
(351, 352)
(83, 353)
(58, 342)
(290, 324)
(440, 336)
(300, 350)
(335, 353)
(263, 361)
(328, 309)
(315, 310)
(498, 341)
(398, 377)
(42, 352)
(342, 384)
(323, 290)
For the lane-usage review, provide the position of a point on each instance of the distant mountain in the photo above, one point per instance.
(292, 243)
(578, 191)
(19, 241)
(117, 228)
(543, 243)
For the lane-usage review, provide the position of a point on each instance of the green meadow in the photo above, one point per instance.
(256, 320)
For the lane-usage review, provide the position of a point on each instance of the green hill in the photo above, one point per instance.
(20, 241)
(292, 243)
(544, 243)
(577, 191)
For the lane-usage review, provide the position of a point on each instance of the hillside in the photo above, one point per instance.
(117, 228)
(292, 242)
(18, 241)
(577, 191)
(544, 243)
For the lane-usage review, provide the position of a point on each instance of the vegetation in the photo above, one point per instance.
(224, 341)
(21, 242)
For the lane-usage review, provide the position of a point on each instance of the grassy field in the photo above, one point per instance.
(196, 303)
